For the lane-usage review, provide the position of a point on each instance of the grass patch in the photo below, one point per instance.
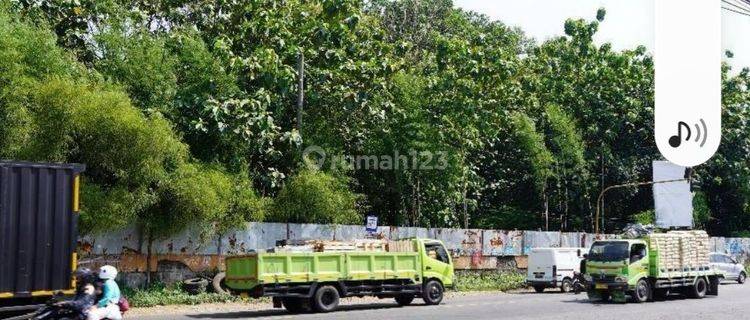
(489, 281)
(161, 295)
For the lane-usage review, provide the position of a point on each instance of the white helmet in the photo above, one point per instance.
(107, 272)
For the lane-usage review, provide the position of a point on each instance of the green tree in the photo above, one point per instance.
(312, 196)
(723, 179)
(138, 170)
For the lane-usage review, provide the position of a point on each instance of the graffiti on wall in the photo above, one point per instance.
(474, 244)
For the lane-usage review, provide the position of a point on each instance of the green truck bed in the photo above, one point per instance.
(247, 271)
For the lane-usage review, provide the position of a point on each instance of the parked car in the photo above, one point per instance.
(553, 268)
(729, 266)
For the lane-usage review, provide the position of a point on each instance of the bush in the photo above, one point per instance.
(138, 169)
(316, 197)
(645, 217)
(489, 281)
(206, 194)
(160, 295)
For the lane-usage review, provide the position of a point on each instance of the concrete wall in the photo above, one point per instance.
(471, 248)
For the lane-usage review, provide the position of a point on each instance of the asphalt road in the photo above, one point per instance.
(732, 303)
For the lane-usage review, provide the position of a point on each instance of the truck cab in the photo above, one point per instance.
(614, 267)
(437, 263)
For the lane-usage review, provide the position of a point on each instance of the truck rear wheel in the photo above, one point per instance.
(741, 278)
(326, 299)
(698, 291)
(404, 299)
(539, 289)
(642, 292)
(432, 294)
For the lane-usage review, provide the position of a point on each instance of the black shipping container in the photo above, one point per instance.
(38, 227)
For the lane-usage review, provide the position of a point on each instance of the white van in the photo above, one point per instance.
(553, 268)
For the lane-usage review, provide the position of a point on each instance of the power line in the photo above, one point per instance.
(741, 8)
(736, 11)
(745, 3)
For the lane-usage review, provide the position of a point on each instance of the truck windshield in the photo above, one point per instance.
(609, 251)
(436, 251)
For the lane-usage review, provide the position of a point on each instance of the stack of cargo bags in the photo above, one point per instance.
(369, 245)
(695, 246)
(668, 246)
(401, 246)
(682, 250)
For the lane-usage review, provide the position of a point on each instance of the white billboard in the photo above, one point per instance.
(673, 201)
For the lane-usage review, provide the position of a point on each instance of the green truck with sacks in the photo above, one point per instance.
(651, 267)
(316, 280)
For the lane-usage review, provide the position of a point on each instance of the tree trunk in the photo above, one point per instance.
(601, 186)
(546, 212)
(148, 260)
(300, 89)
(565, 218)
(465, 208)
(419, 207)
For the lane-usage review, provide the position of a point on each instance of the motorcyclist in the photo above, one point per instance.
(107, 307)
(79, 306)
(85, 293)
(580, 278)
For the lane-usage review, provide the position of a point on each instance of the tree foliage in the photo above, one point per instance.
(138, 170)
(312, 196)
(185, 111)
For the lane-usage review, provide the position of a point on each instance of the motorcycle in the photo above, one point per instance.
(52, 310)
(579, 282)
(55, 311)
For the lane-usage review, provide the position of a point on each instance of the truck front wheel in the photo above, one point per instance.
(432, 294)
(642, 292)
(698, 291)
(326, 299)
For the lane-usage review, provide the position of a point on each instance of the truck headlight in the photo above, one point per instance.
(621, 279)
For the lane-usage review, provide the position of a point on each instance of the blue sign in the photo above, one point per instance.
(371, 225)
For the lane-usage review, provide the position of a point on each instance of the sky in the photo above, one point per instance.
(627, 24)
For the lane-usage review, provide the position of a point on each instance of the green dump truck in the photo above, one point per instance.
(314, 281)
(650, 268)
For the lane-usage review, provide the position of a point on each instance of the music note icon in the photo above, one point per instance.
(676, 140)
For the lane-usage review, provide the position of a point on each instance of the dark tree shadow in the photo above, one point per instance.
(282, 312)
